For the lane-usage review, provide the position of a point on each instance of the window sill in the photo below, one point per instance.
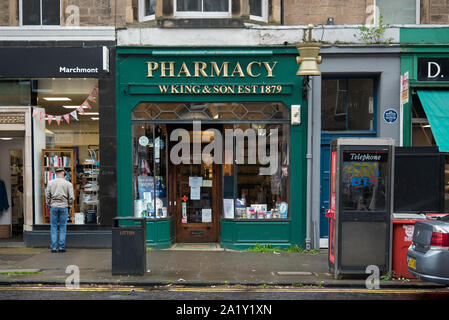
(201, 23)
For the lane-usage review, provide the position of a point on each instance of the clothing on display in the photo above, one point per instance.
(4, 205)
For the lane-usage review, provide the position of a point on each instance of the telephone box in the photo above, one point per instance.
(361, 204)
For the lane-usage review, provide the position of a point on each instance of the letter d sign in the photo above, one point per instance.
(430, 69)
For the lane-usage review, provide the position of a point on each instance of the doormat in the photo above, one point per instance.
(197, 246)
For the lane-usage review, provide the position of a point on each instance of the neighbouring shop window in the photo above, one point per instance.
(421, 132)
(40, 12)
(347, 104)
(258, 10)
(398, 11)
(66, 134)
(15, 92)
(147, 10)
(203, 8)
(150, 171)
(422, 136)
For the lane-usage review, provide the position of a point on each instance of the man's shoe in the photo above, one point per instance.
(61, 250)
(54, 251)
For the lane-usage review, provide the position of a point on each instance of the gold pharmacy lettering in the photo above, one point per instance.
(201, 69)
(127, 233)
(220, 89)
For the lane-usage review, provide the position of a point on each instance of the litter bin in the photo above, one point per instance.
(128, 246)
(403, 226)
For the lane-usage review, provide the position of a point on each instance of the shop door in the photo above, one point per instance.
(196, 195)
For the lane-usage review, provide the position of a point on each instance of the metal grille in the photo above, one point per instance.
(211, 111)
(12, 118)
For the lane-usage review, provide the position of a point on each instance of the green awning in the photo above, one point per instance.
(436, 107)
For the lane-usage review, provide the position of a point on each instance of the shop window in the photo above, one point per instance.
(258, 10)
(422, 135)
(147, 10)
(66, 134)
(398, 11)
(203, 8)
(347, 104)
(15, 92)
(40, 12)
(150, 171)
(262, 194)
(254, 162)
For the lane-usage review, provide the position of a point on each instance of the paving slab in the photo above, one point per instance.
(183, 267)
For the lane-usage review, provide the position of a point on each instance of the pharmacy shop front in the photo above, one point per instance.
(207, 151)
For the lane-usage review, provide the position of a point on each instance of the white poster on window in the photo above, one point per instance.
(195, 193)
(228, 208)
(206, 215)
(195, 182)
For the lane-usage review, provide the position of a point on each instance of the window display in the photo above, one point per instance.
(263, 196)
(66, 134)
(238, 171)
(150, 171)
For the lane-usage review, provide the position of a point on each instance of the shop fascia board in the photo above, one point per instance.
(250, 36)
(57, 33)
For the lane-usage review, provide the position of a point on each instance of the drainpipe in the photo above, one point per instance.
(309, 165)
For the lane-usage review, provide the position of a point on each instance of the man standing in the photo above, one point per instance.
(60, 198)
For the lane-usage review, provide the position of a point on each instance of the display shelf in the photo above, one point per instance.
(66, 158)
(89, 202)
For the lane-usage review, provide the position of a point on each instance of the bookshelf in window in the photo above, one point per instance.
(52, 159)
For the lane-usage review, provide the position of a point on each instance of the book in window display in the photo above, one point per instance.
(145, 206)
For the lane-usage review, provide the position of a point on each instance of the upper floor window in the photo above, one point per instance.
(147, 10)
(258, 10)
(347, 104)
(203, 8)
(398, 11)
(40, 12)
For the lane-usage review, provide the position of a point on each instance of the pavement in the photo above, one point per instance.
(180, 265)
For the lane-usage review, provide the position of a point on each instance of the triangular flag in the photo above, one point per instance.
(50, 118)
(95, 91)
(92, 98)
(35, 112)
(58, 119)
(86, 105)
(67, 118)
(41, 115)
(74, 115)
(80, 110)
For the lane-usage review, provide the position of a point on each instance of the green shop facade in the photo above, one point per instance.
(425, 60)
(207, 150)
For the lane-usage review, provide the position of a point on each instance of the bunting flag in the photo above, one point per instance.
(86, 105)
(80, 110)
(74, 115)
(93, 95)
(58, 118)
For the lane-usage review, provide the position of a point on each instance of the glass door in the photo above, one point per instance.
(196, 196)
